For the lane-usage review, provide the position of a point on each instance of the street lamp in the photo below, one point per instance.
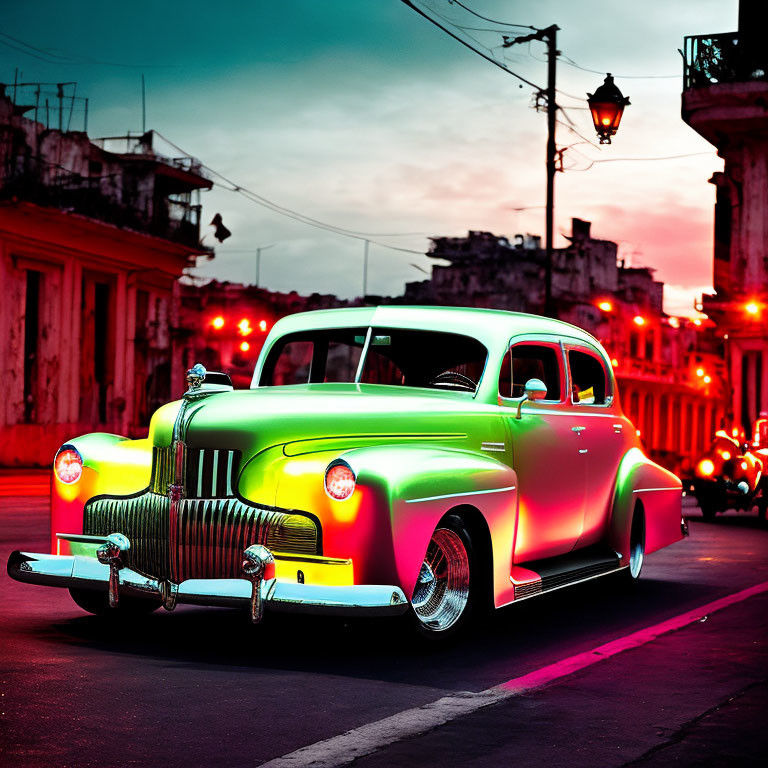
(607, 106)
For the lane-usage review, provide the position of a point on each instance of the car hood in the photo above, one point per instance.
(321, 417)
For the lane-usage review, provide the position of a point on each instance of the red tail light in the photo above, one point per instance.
(339, 481)
(68, 465)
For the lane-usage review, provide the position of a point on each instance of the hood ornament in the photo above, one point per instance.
(195, 377)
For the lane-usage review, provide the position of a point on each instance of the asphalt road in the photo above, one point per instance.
(203, 687)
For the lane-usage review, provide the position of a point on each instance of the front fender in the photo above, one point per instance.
(111, 464)
(402, 493)
(659, 491)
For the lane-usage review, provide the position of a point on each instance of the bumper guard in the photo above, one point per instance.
(255, 591)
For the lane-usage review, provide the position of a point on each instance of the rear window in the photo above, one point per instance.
(588, 379)
(396, 357)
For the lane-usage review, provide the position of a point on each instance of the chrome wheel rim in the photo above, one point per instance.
(442, 589)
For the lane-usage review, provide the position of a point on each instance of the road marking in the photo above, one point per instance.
(343, 749)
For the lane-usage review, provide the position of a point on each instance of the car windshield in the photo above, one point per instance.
(393, 356)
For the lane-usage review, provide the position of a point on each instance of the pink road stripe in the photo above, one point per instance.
(552, 672)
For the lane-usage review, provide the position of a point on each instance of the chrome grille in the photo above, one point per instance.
(210, 473)
(197, 538)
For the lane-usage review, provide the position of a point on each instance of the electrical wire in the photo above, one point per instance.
(485, 18)
(466, 44)
(267, 203)
(634, 159)
(572, 63)
(55, 58)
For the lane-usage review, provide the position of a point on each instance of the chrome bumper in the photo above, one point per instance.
(77, 572)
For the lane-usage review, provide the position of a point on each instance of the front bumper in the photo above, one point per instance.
(79, 572)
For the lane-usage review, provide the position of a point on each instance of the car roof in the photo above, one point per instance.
(493, 327)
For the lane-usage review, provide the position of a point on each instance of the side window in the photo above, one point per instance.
(530, 361)
(588, 378)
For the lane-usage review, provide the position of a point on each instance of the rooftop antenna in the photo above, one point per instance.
(143, 106)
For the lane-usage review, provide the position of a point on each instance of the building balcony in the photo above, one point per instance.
(725, 86)
(719, 59)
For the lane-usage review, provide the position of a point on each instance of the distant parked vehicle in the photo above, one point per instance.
(731, 475)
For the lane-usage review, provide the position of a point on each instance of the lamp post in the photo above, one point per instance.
(607, 106)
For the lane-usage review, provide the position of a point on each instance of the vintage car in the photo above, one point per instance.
(386, 460)
(731, 475)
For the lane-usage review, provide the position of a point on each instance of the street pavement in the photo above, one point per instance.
(202, 687)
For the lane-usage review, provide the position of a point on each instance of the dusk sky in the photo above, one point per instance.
(363, 115)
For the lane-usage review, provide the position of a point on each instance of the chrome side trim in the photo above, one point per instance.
(570, 584)
(643, 490)
(459, 495)
(493, 447)
(87, 573)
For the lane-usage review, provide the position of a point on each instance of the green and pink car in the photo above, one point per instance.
(416, 461)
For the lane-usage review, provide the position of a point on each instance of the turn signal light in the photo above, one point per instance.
(339, 481)
(68, 465)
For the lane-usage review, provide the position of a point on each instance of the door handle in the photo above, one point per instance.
(617, 428)
(578, 430)
(583, 450)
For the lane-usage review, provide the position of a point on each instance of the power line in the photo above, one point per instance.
(55, 58)
(572, 63)
(485, 18)
(634, 159)
(466, 44)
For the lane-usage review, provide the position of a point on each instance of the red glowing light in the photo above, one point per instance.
(218, 322)
(606, 306)
(262, 325)
(244, 327)
(339, 482)
(639, 320)
(245, 346)
(68, 465)
(752, 308)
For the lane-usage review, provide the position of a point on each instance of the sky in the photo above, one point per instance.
(362, 114)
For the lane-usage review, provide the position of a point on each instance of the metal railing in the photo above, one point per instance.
(716, 59)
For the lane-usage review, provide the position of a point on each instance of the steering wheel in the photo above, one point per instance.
(454, 379)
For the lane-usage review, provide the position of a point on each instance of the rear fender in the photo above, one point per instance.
(660, 493)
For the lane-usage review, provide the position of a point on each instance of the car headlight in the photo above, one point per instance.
(339, 480)
(68, 464)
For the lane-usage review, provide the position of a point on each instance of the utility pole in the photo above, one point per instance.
(552, 52)
(549, 36)
(258, 260)
(365, 269)
(143, 106)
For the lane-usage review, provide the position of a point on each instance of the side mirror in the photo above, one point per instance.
(535, 389)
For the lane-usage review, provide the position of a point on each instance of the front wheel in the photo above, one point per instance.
(442, 600)
(98, 603)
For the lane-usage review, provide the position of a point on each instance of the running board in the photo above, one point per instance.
(565, 570)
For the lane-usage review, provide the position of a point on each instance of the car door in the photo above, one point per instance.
(602, 437)
(551, 472)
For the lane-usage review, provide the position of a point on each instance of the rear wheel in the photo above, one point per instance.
(98, 603)
(636, 548)
(442, 600)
